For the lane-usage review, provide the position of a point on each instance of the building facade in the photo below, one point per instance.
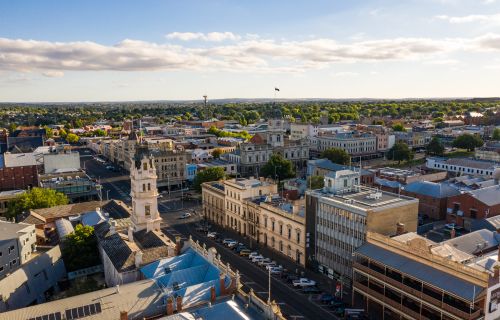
(17, 244)
(344, 211)
(354, 143)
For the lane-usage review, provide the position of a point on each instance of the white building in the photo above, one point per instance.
(462, 166)
(303, 131)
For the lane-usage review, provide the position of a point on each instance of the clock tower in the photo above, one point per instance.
(144, 193)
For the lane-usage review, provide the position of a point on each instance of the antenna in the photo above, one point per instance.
(205, 99)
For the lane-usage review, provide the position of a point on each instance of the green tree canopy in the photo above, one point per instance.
(435, 147)
(72, 138)
(79, 248)
(336, 155)
(400, 152)
(216, 153)
(278, 167)
(315, 182)
(496, 134)
(209, 174)
(468, 141)
(35, 198)
(398, 127)
(99, 133)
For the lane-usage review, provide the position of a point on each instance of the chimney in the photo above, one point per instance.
(170, 306)
(453, 233)
(400, 228)
(179, 303)
(123, 315)
(212, 295)
(138, 258)
(177, 245)
(112, 227)
(130, 234)
(222, 283)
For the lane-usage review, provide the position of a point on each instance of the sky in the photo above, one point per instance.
(123, 50)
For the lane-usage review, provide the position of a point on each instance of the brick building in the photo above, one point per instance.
(465, 208)
(18, 177)
(432, 197)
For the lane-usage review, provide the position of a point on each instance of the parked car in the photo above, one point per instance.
(245, 253)
(273, 265)
(264, 261)
(240, 247)
(291, 278)
(310, 290)
(232, 244)
(275, 271)
(253, 254)
(227, 240)
(326, 298)
(450, 226)
(185, 215)
(212, 235)
(258, 258)
(304, 282)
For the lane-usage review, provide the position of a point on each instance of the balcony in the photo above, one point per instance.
(416, 293)
(394, 304)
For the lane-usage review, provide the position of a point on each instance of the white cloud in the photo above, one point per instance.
(211, 36)
(345, 74)
(53, 74)
(478, 18)
(253, 54)
(443, 62)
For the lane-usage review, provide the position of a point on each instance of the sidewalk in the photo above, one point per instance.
(324, 283)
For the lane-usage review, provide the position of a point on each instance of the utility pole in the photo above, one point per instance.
(269, 288)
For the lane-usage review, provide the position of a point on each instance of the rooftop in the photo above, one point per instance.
(432, 189)
(11, 230)
(244, 183)
(365, 198)
(468, 162)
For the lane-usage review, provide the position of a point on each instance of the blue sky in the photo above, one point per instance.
(149, 50)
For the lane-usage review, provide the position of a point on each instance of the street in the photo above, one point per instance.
(292, 302)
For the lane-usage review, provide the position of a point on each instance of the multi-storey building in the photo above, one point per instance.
(17, 244)
(252, 208)
(414, 140)
(6, 197)
(236, 191)
(410, 277)
(300, 131)
(354, 143)
(257, 152)
(339, 216)
(279, 224)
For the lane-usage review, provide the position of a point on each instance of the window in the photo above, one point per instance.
(143, 187)
(289, 233)
(149, 186)
(11, 248)
(272, 225)
(145, 166)
(281, 229)
(147, 209)
(298, 236)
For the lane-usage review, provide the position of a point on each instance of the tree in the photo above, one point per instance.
(72, 138)
(216, 153)
(435, 147)
(468, 141)
(398, 127)
(496, 134)
(49, 132)
(79, 248)
(63, 133)
(35, 198)
(278, 167)
(336, 155)
(209, 174)
(12, 127)
(315, 182)
(99, 133)
(400, 152)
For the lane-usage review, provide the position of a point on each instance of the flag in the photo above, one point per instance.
(276, 89)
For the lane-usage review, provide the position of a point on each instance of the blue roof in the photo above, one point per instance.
(387, 183)
(190, 273)
(425, 273)
(432, 189)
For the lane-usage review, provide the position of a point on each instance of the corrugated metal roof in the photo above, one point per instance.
(440, 279)
(432, 189)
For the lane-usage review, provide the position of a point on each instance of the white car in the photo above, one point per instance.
(227, 240)
(276, 271)
(257, 258)
(212, 235)
(232, 244)
(265, 261)
(253, 254)
(303, 282)
(273, 266)
(185, 215)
